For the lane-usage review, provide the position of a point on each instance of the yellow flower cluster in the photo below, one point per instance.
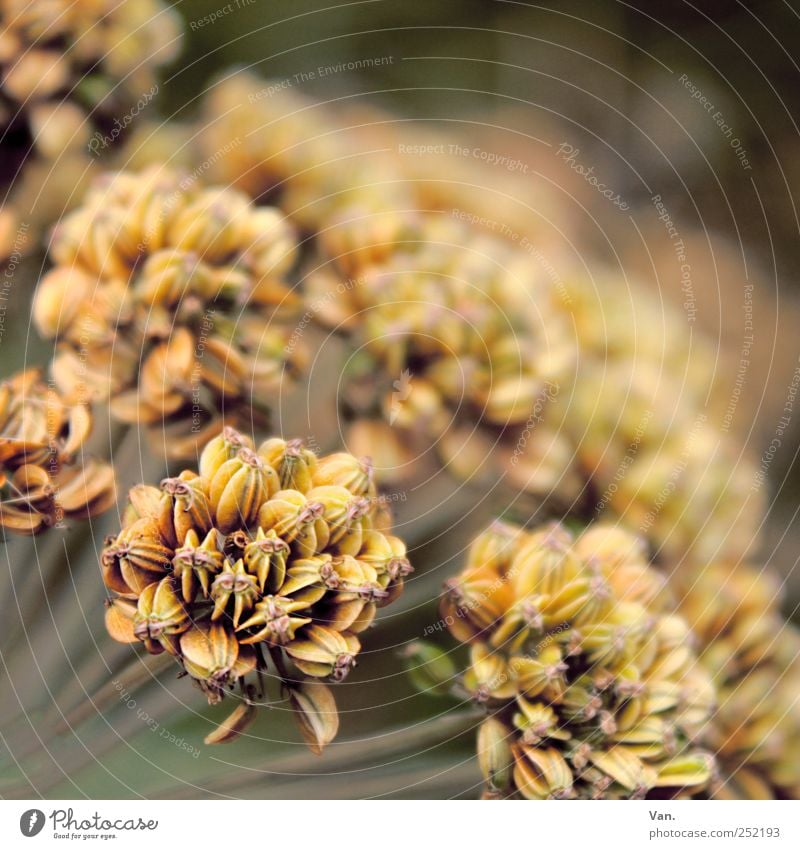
(591, 684)
(168, 298)
(264, 555)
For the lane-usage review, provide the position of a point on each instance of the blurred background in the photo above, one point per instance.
(658, 140)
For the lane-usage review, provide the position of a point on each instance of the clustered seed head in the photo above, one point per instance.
(753, 656)
(591, 684)
(619, 435)
(262, 552)
(43, 477)
(169, 299)
(640, 417)
(65, 60)
(451, 318)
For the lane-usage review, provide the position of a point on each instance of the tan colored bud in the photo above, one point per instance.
(160, 617)
(120, 614)
(542, 774)
(185, 507)
(195, 563)
(495, 757)
(345, 470)
(233, 582)
(275, 620)
(220, 449)
(212, 654)
(136, 558)
(239, 488)
(322, 652)
(295, 464)
(233, 725)
(315, 713)
(544, 563)
(543, 675)
(489, 676)
(60, 297)
(345, 514)
(626, 768)
(296, 519)
(265, 557)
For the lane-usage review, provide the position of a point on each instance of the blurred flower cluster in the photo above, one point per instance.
(75, 73)
(44, 477)
(753, 656)
(580, 387)
(169, 299)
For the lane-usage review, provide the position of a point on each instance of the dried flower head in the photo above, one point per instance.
(469, 337)
(591, 684)
(753, 656)
(450, 336)
(641, 417)
(263, 556)
(169, 299)
(41, 478)
(69, 67)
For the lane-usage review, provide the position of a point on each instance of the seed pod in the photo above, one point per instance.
(187, 497)
(160, 617)
(352, 608)
(323, 652)
(294, 463)
(212, 654)
(315, 713)
(136, 558)
(233, 582)
(542, 774)
(265, 557)
(239, 488)
(345, 515)
(120, 613)
(232, 726)
(624, 767)
(220, 449)
(196, 563)
(275, 621)
(495, 756)
(296, 519)
(489, 676)
(344, 470)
